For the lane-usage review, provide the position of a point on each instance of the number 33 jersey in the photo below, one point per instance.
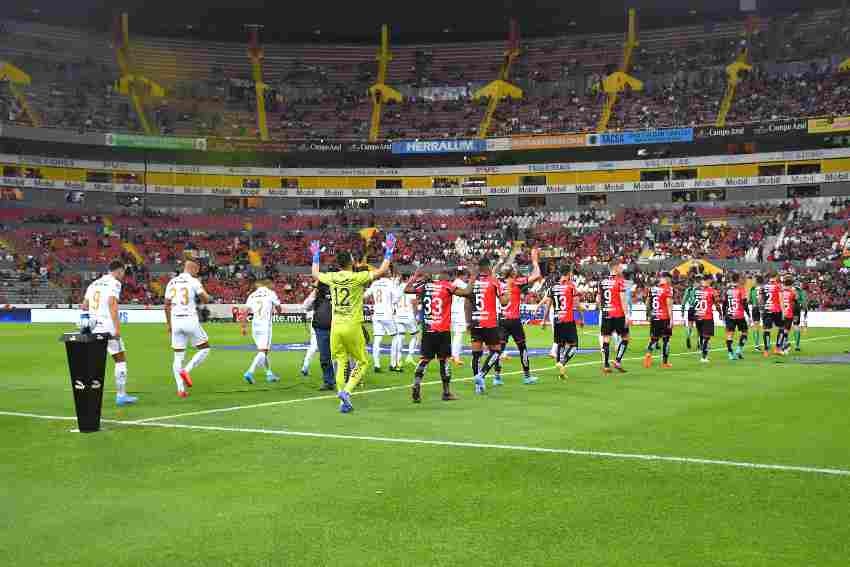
(436, 299)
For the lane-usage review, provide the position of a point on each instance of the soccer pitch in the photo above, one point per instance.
(730, 463)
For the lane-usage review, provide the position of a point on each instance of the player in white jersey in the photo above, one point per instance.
(182, 295)
(100, 307)
(384, 294)
(313, 347)
(459, 324)
(262, 305)
(406, 325)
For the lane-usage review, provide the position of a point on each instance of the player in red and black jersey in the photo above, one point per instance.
(735, 311)
(789, 302)
(510, 321)
(435, 297)
(659, 303)
(705, 305)
(611, 299)
(563, 297)
(482, 307)
(771, 309)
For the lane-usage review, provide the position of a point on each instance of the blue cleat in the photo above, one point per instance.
(497, 380)
(480, 386)
(529, 380)
(125, 400)
(732, 356)
(272, 377)
(249, 377)
(345, 402)
(305, 372)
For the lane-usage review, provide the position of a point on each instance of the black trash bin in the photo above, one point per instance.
(87, 364)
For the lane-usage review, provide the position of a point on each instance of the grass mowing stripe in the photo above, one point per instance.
(470, 445)
(402, 387)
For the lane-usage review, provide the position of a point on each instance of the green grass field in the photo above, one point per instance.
(648, 468)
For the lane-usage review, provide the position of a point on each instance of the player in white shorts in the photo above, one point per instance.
(262, 305)
(384, 294)
(100, 308)
(313, 348)
(406, 325)
(459, 324)
(182, 295)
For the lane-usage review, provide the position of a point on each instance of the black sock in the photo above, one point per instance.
(606, 350)
(742, 340)
(766, 340)
(420, 370)
(621, 350)
(445, 374)
(567, 353)
(559, 352)
(651, 346)
(491, 360)
(476, 362)
(705, 342)
(498, 366)
(666, 349)
(729, 345)
(523, 358)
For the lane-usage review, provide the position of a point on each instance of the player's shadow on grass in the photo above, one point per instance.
(263, 388)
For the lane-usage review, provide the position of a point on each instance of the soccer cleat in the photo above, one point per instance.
(606, 370)
(647, 360)
(327, 388)
(666, 365)
(757, 348)
(732, 356)
(187, 380)
(619, 368)
(416, 394)
(703, 360)
(378, 370)
(740, 355)
(449, 397)
(479, 384)
(345, 402)
(688, 343)
(183, 394)
(766, 354)
(271, 378)
(529, 380)
(797, 349)
(497, 380)
(562, 371)
(305, 372)
(505, 356)
(399, 369)
(457, 362)
(249, 377)
(125, 400)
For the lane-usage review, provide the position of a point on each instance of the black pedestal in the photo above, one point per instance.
(87, 364)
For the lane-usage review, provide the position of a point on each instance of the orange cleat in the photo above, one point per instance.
(666, 365)
(186, 378)
(606, 370)
(183, 394)
(457, 362)
(647, 360)
(765, 354)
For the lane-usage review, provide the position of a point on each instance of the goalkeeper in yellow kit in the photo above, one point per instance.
(347, 289)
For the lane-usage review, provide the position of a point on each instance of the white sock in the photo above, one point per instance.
(376, 350)
(177, 366)
(554, 350)
(267, 360)
(121, 378)
(311, 352)
(259, 359)
(411, 347)
(198, 359)
(457, 343)
(394, 351)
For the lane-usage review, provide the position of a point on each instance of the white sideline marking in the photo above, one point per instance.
(402, 387)
(471, 445)
(467, 445)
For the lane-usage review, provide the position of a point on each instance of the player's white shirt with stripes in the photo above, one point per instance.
(98, 295)
(262, 303)
(459, 307)
(384, 294)
(405, 316)
(182, 292)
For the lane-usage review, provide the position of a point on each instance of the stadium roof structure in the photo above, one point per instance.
(412, 22)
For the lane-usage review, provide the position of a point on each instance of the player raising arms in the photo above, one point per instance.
(436, 297)
(611, 299)
(771, 310)
(459, 322)
(659, 299)
(511, 321)
(182, 295)
(706, 304)
(485, 322)
(347, 339)
(735, 310)
(563, 298)
(262, 304)
(789, 300)
(101, 304)
(384, 295)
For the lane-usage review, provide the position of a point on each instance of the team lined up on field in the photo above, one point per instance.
(483, 300)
